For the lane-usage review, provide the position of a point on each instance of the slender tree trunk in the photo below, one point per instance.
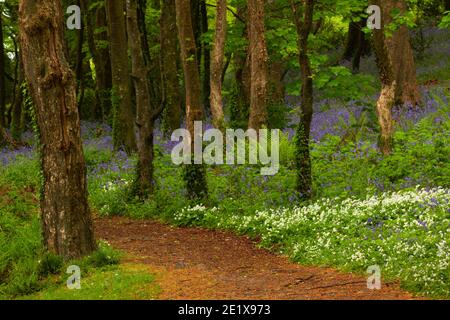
(400, 55)
(16, 118)
(259, 66)
(303, 18)
(388, 89)
(206, 52)
(217, 64)
(123, 119)
(96, 19)
(66, 218)
(2, 74)
(353, 37)
(156, 91)
(195, 175)
(79, 64)
(277, 71)
(140, 74)
(169, 69)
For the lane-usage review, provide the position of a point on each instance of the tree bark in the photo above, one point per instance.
(169, 69)
(389, 85)
(95, 20)
(123, 119)
(79, 64)
(66, 219)
(277, 71)
(259, 66)
(16, 118)
(400, 55)
(195, 175)
(240, 104)
(217, 64)
(2, 74)
(140, 74)
(206, 52)
(303, 18)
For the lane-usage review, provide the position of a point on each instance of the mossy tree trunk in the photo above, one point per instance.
(169, 68)
(259, 65)
(303, 18)
(399, 53)
(97, 36)
(195, 175)
(217, 64)
(66, 218)
(145, 107)
(2, 74)
(388, 86)
(123, 118)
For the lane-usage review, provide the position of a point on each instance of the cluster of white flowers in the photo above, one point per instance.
(407, 233)
(112, 186)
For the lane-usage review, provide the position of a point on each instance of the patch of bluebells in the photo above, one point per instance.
(8, 156)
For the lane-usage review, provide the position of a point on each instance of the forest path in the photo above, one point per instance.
(194, 263)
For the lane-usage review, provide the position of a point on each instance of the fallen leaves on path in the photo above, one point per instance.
(194, 263)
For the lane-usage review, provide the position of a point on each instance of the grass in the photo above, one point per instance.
(123, 282)
(27, 271)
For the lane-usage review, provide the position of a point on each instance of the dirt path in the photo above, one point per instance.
(193, 263)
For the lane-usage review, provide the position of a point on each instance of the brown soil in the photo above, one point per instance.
(193, 263)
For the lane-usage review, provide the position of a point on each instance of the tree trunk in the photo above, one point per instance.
(304, 23)
(356, 45)
(276, 74)
(259, 66)
(400, 55)
(154, 61)
(79, 65)
(195, 175)
(123, 119)
(66, 219)
(169, 69)
(16, 118)
(240, 104)
(140, 75)
(217, 64)
(95, 20)
(388, 88)
(353, 37)
(2, 74)
(206, 52)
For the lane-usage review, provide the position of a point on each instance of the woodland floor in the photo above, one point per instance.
(194, 263)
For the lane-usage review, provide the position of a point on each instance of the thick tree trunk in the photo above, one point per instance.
(304, 23)
(259, 66)
(195, 175)
(123, 119)
(400, 55)
(169, 69)
(217, 64)
(140, 75)
(2, 75)
(66, 218)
